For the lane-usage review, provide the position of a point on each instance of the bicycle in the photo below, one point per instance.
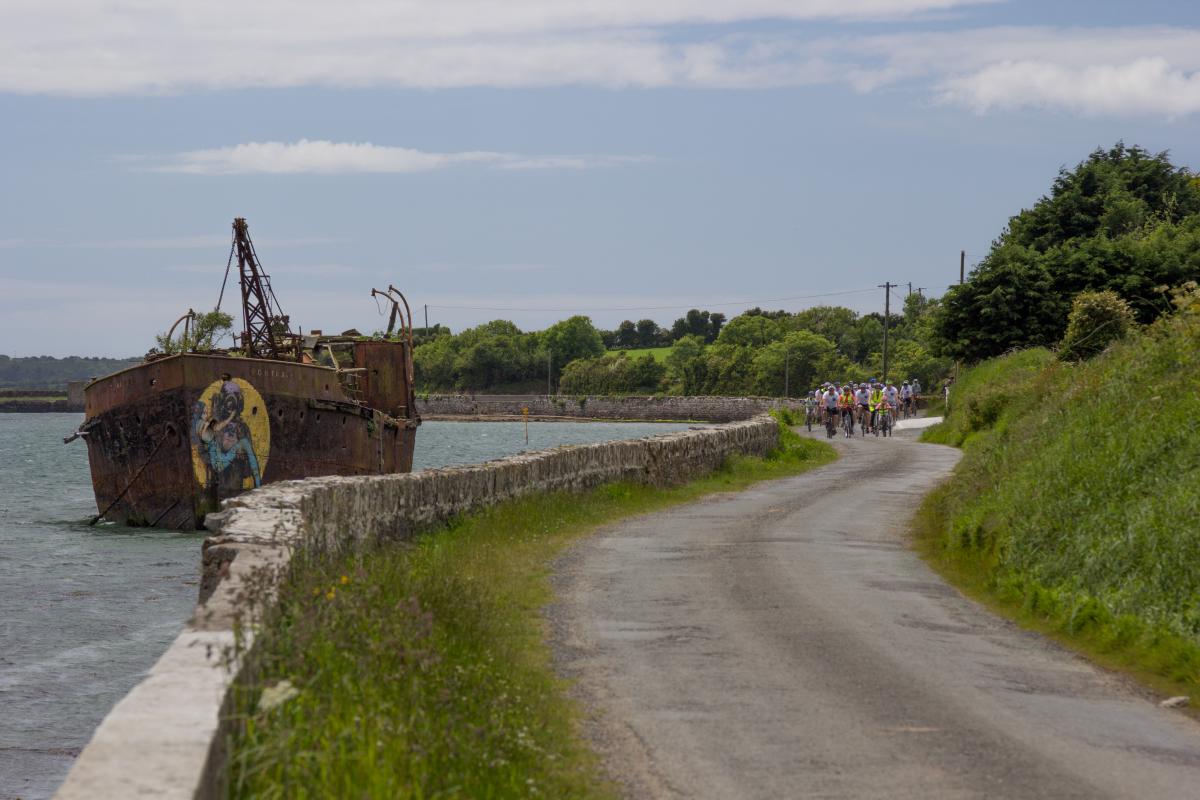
(848, 423)
(810, 416)
(830, 423)
(884, 424)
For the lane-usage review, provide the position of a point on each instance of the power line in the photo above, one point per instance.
(659, 308)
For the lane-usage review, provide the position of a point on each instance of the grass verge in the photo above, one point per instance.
(1073, 509)
(423, 671)
(1163, 660)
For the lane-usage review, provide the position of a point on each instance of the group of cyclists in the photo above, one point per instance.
(871, 405)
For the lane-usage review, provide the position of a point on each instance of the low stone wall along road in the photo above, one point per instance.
(786, 642)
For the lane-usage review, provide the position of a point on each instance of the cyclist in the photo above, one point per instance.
(811, 405)
(916, 389)
(885, 415)
(874, 401)
(846, 407)
(829, 401)
(906, 398)
(892, 395)
(862, 398)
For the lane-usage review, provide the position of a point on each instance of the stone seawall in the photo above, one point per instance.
(166, 738)
(650, 408)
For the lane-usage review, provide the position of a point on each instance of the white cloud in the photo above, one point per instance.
(1146, 85)
(1116, 71)
(83, 47)
(140, 46)
(328, 158)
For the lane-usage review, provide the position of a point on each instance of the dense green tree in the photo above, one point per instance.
(649, 334)
(424, 335)
(716, 320)
(685, 365)
(752, 331)
(615, 373)
(697, 323)
(803, 358)
(728, 370)
(627, 335)
(705, 324)
(483, 357)
(572, 338)
(1123, 220)
(836, 323)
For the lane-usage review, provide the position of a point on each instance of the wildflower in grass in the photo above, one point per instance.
(345, 579)
(332, 593)
(277, 695)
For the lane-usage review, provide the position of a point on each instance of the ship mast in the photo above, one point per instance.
(265, 324)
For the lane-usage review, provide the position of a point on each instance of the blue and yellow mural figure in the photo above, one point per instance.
(231, 437)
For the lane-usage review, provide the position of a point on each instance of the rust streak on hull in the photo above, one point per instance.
(169, 439)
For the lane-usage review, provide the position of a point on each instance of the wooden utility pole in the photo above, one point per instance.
(887, 312)
(962, 266)
(427, 319)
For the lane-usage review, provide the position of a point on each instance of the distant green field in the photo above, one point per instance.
(660, 353)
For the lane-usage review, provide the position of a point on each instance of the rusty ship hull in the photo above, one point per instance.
(170, 439)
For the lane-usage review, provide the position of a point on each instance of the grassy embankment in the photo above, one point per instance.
(1075, 506)
(423, 671)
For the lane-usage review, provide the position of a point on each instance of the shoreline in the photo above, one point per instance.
(548, 418)
(40, 406)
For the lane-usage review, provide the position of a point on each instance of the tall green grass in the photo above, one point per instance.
(422, 671)
(1078, 496)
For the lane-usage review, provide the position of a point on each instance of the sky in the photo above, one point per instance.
(533, 159)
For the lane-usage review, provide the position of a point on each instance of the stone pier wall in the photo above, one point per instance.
(166, 739)
(652, 408)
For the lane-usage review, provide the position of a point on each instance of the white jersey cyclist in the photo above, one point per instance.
(891, 394)
(830, 399)
(906, 391)
(863, 395)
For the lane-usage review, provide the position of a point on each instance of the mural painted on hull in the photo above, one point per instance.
(231, 437)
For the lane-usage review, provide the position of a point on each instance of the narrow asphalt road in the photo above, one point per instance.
(785, 642)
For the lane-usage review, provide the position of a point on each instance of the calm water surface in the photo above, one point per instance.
(84, 612)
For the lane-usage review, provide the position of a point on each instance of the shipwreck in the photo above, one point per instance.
(172, 437)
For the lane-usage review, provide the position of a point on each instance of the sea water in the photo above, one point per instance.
(85, 611)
